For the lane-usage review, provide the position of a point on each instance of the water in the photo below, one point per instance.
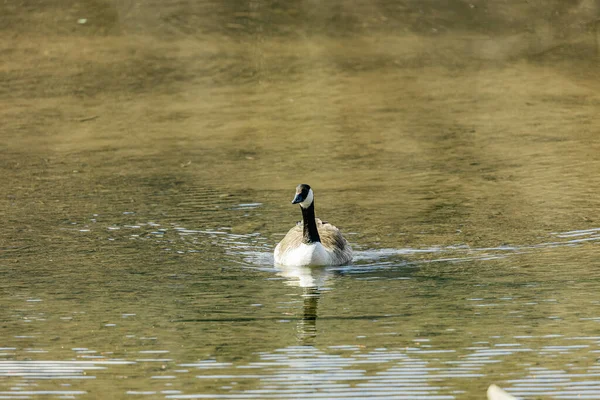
(149, 155)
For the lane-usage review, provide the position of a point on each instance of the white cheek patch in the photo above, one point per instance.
(308, 201)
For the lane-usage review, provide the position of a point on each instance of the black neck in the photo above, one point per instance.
(311, 234)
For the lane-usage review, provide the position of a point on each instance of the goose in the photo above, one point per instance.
(312, 242)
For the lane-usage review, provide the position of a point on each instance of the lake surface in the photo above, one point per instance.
(149, 152)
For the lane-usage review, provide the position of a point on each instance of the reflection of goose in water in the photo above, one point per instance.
(307, 325)
(312, 242)
(305, 277)
(311, 280)
(495, 393)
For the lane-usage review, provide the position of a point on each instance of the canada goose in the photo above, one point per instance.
(312, 242)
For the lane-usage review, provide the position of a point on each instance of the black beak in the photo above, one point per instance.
(298, 198)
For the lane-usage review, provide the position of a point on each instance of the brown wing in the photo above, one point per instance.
(332, 239)
(291, 240)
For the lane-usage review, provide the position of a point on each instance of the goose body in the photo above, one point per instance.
(312, 241)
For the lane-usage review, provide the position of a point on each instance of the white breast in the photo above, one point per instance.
(305, 254)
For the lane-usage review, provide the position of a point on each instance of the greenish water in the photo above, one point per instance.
(149, 155)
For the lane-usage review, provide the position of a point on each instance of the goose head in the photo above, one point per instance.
(304, 196)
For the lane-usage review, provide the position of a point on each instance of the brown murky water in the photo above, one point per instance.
(149, 152)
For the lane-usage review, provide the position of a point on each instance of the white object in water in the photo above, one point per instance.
(495, 393)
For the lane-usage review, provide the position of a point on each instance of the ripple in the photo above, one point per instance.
(54, 369)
